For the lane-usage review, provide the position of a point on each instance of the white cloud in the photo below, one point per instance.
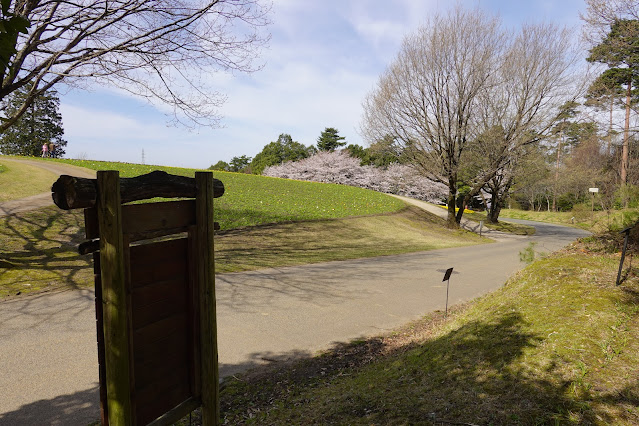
(323, 59)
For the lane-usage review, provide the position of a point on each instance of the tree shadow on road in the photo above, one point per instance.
(80, 408)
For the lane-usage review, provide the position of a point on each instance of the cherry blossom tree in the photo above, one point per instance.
(340, 168)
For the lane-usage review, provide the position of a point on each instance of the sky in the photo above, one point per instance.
(323, 58)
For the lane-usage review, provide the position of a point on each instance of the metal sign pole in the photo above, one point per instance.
(447, 275)
(623, 253)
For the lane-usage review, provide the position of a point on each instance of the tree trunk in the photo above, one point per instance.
(493, 217)
(612, 103)
(451, 221)
(626, 136)
(554, 190)
(460, 212)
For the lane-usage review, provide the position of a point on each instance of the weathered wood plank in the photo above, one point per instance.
(91, 227)
(70, 192)
(115, 312)
(158, 398)
(104, 415)
(194, 316)
(143, 218)
(153, 335)
(206, 277)
(149, 218)
(148, 273)
(148, 371)
(160, 251)
(177, 413)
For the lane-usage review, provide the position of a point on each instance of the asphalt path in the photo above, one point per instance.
(48, 357)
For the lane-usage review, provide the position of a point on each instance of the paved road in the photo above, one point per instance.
(48, 355)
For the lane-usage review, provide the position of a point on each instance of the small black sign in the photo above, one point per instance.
(448, 273)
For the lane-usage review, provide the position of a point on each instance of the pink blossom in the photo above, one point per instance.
(338, 167)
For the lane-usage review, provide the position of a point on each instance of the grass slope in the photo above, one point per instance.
(266, 222)
(13, 184)
(409, 230)
(557, 345)
(251, 200)
(38, 249)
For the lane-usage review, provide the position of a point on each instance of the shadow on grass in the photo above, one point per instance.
(38, 252)
(473, 374)
(304, 242)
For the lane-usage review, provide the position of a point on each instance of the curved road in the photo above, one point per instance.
(47, 341)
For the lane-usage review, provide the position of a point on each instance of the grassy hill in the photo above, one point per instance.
(13, 182)
(266, 222)
(251, 200)
(557, 345)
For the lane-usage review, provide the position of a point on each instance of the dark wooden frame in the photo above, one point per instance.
(112, 228)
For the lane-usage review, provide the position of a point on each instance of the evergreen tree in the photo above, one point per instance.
(604, 93)
(329, 140)
(221, 165)
(620, 51)
(40, 124)
(278, 152)
(239, 164)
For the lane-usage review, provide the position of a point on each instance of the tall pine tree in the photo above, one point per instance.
(330, 140)
(619, 50)
(41, 123)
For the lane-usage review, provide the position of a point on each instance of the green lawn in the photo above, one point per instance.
(557, 345)
(581, 216)
(266, 222)
(251, 200)
(13, 184)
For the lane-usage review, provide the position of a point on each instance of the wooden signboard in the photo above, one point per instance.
(155, 300)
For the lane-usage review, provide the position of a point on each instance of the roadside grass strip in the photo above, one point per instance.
(288, 244)
(581, 217)
(557, 345)
(38, 249)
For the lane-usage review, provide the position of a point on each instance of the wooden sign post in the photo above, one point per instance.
(155, 300)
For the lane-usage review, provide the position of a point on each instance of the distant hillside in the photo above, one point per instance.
(254, 200)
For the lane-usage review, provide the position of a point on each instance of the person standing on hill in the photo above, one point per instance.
(45, 150)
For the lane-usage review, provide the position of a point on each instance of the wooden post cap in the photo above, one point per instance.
(70, 192)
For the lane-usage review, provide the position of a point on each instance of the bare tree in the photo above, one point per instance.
(426, 98)
(463, 84)
(162, 50)
(601, 14)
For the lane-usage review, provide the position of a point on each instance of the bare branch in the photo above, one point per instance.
(461, 82)
(161, 50)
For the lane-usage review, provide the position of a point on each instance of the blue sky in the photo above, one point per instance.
(322, 60)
